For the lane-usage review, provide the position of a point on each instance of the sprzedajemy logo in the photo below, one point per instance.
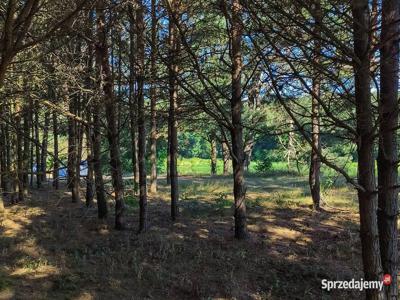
(356, 284)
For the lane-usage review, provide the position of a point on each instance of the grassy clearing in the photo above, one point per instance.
(53, 249)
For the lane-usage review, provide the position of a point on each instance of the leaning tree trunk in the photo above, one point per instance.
(172, 118)
(367, 193)
(315, 163)
(109, 104)
(239, 188)
(141, 118)
(387, 154)
(153, 100)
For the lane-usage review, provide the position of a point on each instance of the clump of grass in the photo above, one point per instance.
(4, 283)
(66, 282)
(222, 201)
(282, 200)
(33, 264)
(131, 201)
(258, 202)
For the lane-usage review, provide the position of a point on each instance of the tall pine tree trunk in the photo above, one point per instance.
(56, 164)
(172, 118)
(153, 100)
(367, 195)
(388, 150)
(141, 118)
(109, 104)
(315, 163)
(239, 188)
(133, 98)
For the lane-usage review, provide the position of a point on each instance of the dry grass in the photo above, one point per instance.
(53, 249)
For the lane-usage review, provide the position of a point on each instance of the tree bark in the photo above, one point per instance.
(133, 99)
(37, 148)
(19, 151)
(97, 165)
(45, 142)
(367, 196)
(27, 115)
(72, 151)
(141, 118)
(172, 118)
(153, 100)
(315, 162)
(109, 104)
(225, 157)
(213, 155)
(387, 153)
(56, 165)
(90, 169)
(239, 188)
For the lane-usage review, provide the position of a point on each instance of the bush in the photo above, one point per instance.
(265, 161)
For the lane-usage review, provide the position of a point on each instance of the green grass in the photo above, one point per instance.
(197, 166)
(200, 167)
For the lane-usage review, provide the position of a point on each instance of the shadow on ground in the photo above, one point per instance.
(54, 249)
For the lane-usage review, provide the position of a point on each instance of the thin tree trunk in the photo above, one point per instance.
(141, 118)
(172, 119)
(37, 148)
(387, 154)
(90, 170)
(169, 156)
(213, 155)
(367, 197)
(88, 129)
(1, 202)
(27, 113)
(133, 99)
(109, 104)
(56, 164)
(225, 158)
(45, 141)
(73, 152)
(153, 100)
(239, 188)
(79, 145)
(315, 163)
(248, 151)
(19, 152)
(97, 165)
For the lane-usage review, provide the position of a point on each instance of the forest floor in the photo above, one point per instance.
(54, 249)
